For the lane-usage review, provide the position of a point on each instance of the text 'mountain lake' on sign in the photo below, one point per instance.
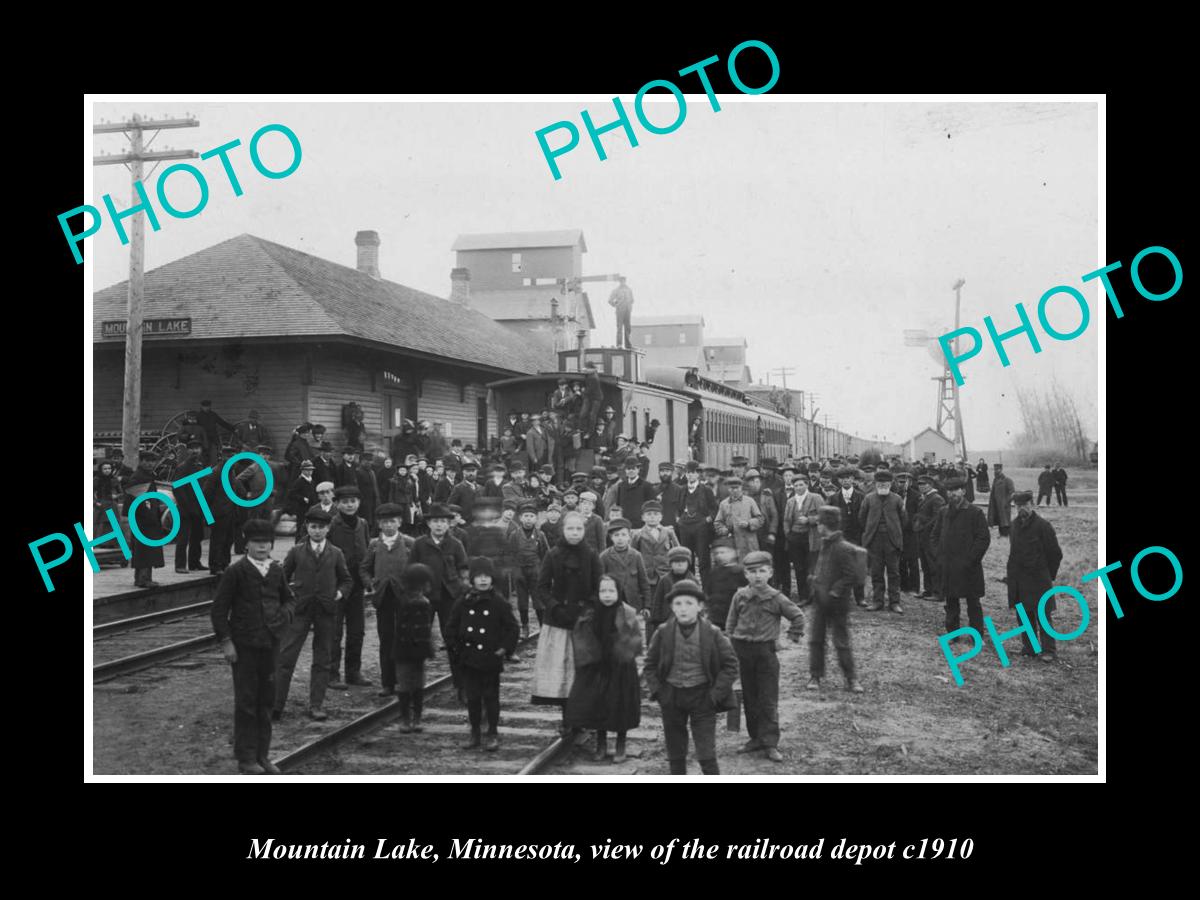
(115, 328)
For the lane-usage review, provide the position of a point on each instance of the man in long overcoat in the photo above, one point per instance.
(961, 537)
(1033, 560)
(1000, 500)
(849, 500)
(883, 517)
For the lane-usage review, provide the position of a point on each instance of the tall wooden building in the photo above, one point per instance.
(250, 324)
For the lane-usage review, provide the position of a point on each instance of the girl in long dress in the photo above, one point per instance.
(569, 584)
(607, 694)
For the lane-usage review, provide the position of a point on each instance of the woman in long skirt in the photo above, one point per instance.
(607, 693)
(568, 585)
(981, 477)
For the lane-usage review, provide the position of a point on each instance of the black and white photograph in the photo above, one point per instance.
(497, 437)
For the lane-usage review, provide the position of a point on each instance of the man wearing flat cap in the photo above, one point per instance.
(961, 538)
(739, 517)
(1033, 560)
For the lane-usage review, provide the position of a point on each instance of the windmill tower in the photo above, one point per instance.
(949, 409)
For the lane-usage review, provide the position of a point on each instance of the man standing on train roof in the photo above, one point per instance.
(621, 299)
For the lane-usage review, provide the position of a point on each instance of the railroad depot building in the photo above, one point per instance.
(250, 324)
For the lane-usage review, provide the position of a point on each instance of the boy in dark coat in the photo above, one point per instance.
(961, 538)
(725, 578)
(481, 632)
(447, 561)
(1033, 560)
(252, 609)
(690, 670)
(385, 560)
(679, 559)
(527, 547)
(839, 567)
(348, 532)
(317, 572)
(412, 643)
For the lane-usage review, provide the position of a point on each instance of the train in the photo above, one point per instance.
(677, 412)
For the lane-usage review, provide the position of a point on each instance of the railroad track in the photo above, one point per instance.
(140, 642)
(529, 740)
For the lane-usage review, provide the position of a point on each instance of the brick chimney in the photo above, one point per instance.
(368, 252)
(460, 286)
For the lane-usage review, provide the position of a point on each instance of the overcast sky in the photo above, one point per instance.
(820, 232)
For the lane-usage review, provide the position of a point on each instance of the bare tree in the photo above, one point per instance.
(1051, 426)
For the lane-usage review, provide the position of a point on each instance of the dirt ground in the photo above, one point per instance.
(1029, 718)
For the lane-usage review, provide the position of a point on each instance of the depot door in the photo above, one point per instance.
(397, 406)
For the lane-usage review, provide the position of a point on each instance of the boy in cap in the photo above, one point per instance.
(725, 579)
(690, 669)
(495, 482)
(654, 541)
(552, 527)
(753, 627)
(837, 570)
(317, 572)
(301, 496)
(348, 532)
(480, 633)
(593, 525)
(385, 560)
(527, 548)
(680, 568)
(626, 565)
(1033, 560)
(251, 611)
(411, 644)
(884, 517)
(447, 562)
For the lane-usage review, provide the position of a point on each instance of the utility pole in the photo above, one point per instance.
(958, 424)
(134, 129)
(783, 372)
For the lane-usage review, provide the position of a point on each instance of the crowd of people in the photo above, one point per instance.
(698, 569)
